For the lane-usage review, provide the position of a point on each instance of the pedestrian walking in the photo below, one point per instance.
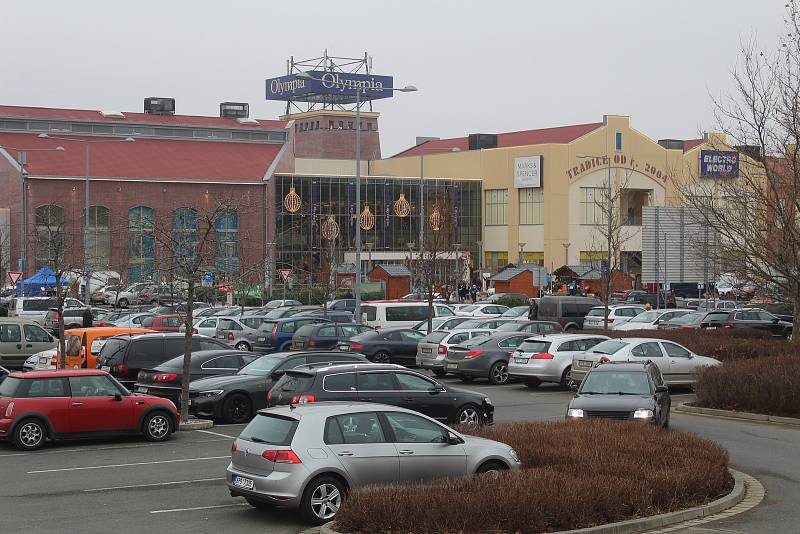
(533, 310)
(473, 291)
(88, 320)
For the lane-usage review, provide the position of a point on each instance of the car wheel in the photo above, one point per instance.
(123, 303)
(30, 435)
(789, 336)
(492, 467)
(439, 372)
(498, 374)
(381, 357)
(569, 328)
(243, 345)
(321, 500)
(566, 379)
(261, 505)
(533, 382)
(237, 409)
(157, 427)
(469, 415)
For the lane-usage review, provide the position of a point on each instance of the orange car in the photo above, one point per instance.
(82, 341)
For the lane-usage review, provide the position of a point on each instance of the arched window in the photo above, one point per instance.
(184, 227)
(140, 251)
(227, 240)
(98, 240)
(49, 236)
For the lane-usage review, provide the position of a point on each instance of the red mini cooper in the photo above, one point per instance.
(78, 403)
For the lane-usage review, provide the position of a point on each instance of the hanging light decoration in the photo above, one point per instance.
(330, 228)
(292, 200)
(402, 208)
(435, 219)
(366, 219)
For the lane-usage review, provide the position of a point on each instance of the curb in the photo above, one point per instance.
(196, 424)
(685, 407)
(643, 524)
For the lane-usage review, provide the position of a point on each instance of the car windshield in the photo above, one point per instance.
(278, 313)
(267, 326)
(689, 318)
(615, 383)
(475, 341)
(260, 367)
(271, 429)
(434, 337)
(646, 317)
(468, 308)
(532, 345)
(608, 347)
(596, 312)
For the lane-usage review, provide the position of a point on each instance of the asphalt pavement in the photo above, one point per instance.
(178, 486)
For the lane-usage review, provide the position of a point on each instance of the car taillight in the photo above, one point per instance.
(281, 457)
(727, 326)
(312, 343)
(9, 409)
(269, 395)
(542, 356)
(303, 399)
(442, 350)
(356, 346)
(473, 354)
(165, 377)
(275, 330)
(58, 317)
(119, 370)
(195, 331)
(230, 336)
(610, 320)
(233, 446)
(604, 359)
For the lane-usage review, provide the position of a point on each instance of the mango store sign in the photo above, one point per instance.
(528, 172)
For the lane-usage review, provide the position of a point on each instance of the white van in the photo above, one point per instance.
(402, 314)
(36, 308)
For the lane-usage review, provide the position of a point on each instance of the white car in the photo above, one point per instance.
(549, 358)
(677, 364)
(650, 320)
(617, 314)
(132, 320)
(486, 311)
(40, 361)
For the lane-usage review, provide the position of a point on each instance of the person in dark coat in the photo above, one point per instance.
(88, 320)
(533, 310)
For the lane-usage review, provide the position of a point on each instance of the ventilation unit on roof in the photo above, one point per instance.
(479, 141)
(234, 110)
(671, 144)
(159, 106)
(112, 114)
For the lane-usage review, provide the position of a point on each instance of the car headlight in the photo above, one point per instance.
(211, 393)
(643, 414)
(574, 412)
(514, 455)
(487, 400)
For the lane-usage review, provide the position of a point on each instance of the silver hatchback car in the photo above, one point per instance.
(308, 456)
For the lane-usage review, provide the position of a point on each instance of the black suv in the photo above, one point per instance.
(758, 319)
(385, 384)
(627, 391)
(569, 312)
(660, 300)
(325, 335)
(124, 356)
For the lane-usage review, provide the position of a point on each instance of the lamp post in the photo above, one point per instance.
(358, 93)
(88, 145)
(566, 252)
(22, 160)
(369, 244)
(521, 245)
(269, 269)
(479, 263)
(422, 189)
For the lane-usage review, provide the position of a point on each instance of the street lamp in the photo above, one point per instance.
(22, 160)
(87, 144)
(358, 91)
(521, 248)
(480, 263)
(566, 252)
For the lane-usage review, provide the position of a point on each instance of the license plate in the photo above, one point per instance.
(584, 363)
(262, 339)
(426, 351)
(344, 347)
(241, 482)
(44, 359)
(520, 360)
(105, 368)
(221, 336)
(711, 328)
(452, 366)
(141, 390)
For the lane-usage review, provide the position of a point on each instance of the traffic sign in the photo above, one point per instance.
(13, 277)
(208, 279)
(285, 275)
(699, 286)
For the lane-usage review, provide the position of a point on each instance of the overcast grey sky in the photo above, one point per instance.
(481, 66)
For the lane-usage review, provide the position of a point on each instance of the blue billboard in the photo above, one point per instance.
(719, 163)
(337, 87)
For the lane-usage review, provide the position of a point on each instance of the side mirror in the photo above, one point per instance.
(435, 390)
(775, 320)
(51, 338)
(276, 375)
(452, 439)
(118, 397)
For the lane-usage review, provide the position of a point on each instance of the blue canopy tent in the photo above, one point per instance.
(38, 283)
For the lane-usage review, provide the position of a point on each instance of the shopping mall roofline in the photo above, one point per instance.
(377, 176)
(188, 181)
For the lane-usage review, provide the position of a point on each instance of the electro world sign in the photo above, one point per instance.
(328, 86)
(719, 163)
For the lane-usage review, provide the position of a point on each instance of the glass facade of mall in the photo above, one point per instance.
(299, 236)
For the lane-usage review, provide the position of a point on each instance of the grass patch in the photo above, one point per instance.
(575, 474)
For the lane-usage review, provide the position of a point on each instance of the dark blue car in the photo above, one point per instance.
(275, 335)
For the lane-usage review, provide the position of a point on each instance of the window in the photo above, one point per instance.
(339, 382)
(229, 361)
(531, 202)
(10, 333)
(208, 323)
(341, 125)
(375, 382)
(333, 433)
(184, 229)
(496, 201)
(647, 350)
(289, 327)
(330, 125)
(99, 236)
(618, 141)
(271, 429)
(411, 336)
(593, 205)
(409, 382)
(34, 334)
(229, 324)
(148, 349)
(444, 311)
(140, 236)
(359, 428)
(495, 260)
(47, 387)
(512, 342)
(350, 125)
(49, 235)
(675, 351)
(535, 258)
(92, 386)
(327, 331)
(251, 322)
(227, 240)
(408, 428)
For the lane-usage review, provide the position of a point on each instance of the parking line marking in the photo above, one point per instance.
(90, 449)
(198, 508)
(126, 465)
(216, 434)
(155, 484)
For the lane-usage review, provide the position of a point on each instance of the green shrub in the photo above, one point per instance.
(575, 474)
(768, 385)
(511, 302)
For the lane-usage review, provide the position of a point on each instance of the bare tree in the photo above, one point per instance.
(755, 212)
(437, 246)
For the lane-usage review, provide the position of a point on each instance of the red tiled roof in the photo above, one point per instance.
(133, 118)
(146, 158)
(558, 135)
(691, 143)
